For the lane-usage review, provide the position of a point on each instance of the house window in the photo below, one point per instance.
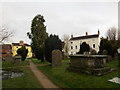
(76, 46)
(71, 47)
(71, 53)
(71, 42)
(93, 45)
(4, 53)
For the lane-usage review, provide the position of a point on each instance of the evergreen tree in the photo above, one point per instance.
(53, 42)
(84, 47)
(106, 45)
(22, 52)
(38, 36)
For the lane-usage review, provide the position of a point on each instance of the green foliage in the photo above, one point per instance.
(106, 45)
(28, 80)
(65, 79)
(22, 52)
(36, 61)
(52, 43)
(38, 36)
(12, 65)
(84, 47)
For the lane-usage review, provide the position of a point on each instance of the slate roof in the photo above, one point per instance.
(85, 37)
(18, 44)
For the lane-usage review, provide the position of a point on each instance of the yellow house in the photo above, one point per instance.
(16, 46)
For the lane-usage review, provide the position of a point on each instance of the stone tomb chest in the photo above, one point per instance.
(90, 64)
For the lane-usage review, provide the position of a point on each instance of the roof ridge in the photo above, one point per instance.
(84, 37)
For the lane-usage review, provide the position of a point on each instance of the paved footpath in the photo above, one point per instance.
(44, 81)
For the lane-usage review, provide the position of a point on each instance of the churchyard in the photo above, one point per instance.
(54, 63)
(82, 70)
(65, 79)
(59, 76)
(28, 80)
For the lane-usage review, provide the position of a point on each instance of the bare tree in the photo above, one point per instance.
(66, 46)
(111, 33)
(5, 34)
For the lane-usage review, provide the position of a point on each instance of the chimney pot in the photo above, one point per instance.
(21, 43)
(71, 36)
(98, 32)
(86, 33)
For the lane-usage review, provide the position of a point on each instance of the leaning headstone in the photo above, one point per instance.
(105, 52)
(86, 53)
(56, 58)
(109, 58)
(115, 80)
(17, 59)
(8, 59)
(93, 52)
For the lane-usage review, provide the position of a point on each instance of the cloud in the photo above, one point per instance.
(61, 18)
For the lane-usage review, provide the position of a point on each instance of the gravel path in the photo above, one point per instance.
(44, 81)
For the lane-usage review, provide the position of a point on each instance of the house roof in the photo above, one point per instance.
(6, 45)
(18, 44)
(85, 37)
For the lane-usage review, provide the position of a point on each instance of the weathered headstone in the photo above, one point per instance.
(105, 52)
(93, 52)
(115, 80)
(17, 59)
(109, 58)
(56, 58)
(8, 59)
(86, 53)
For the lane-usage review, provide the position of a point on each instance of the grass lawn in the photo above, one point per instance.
(36, 61)
(10, 64)
(66, 79)
(28, 80)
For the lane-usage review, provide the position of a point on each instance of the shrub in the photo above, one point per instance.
(84, 47)
(22, 52)
(53, 42)
(106, 45)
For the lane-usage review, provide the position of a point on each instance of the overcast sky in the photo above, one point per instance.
(61, 17)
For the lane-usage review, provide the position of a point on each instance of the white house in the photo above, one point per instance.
(92, 40)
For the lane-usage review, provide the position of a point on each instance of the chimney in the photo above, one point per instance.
(98, 32)
(21, 43)
(71, 36)
(86, 33)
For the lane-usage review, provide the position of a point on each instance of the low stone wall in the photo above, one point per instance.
(91, 64)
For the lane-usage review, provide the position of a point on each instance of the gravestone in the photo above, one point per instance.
(104, 52)
(56, 58)
(18, 59)
(8, 59)
(109, 58)
(93, 52)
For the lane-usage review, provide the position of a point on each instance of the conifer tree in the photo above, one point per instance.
(38, 36)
